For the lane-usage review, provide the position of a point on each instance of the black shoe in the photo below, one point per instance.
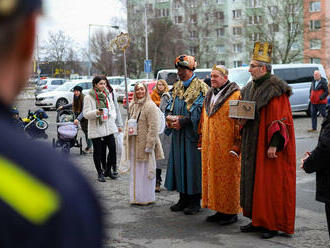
(191, 210)
(214, 218)
(108, 173)
(101, 178)
(178, 207)
(228, 221)
(269, 234)
(250, 228)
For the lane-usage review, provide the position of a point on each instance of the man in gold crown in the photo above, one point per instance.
(268, 178)
(183, 115)
(220, 150)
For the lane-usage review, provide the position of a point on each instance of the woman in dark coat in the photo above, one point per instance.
(319, 161)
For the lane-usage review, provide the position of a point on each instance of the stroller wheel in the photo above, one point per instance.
(66, 148)
(80, 146)
(42, 125)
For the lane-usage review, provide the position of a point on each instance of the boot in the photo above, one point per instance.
(157, 189)
(194, 204)
(108, 173)
(114, 169)
(182, 203)
(100, 178)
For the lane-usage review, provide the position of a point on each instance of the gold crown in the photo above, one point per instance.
(262, 52)
(220, 68)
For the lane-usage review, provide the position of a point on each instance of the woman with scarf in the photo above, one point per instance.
(119, 124)
(142, 146)
(100, 111)
(77, 108)
(161, 98)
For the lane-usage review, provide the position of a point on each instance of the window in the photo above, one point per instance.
(237, 30)
(220, 1)
(219, 15)
(178, 19)
(162, 1)
(255, 37)
(255, 19)
(193, 50)
(220, 49)
(273, 10)
(192, 4)
(315, 24)
(177, 4)
(207, 18)
(273, 28)
(238, 48)
(221, 62)
(193, 34)
(193, 19)
(296, 75)
(238, 63)
(254, 3)
(148, 6)
(162, 12)
(314, 6)
(315, 61)
(315, 44)
(237, 14)
(220, 32)
(207, 33)
(206, 2)
(57, 82)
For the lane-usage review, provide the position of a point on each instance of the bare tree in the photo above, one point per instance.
(57, 49)
(280, 23)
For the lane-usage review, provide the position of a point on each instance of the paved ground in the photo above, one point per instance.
(156, 226)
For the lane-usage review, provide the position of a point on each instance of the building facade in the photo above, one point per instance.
(224, 31)
(317, 33)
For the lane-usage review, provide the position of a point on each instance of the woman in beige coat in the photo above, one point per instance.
(143, 148)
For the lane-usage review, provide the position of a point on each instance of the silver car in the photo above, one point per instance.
(48, 84)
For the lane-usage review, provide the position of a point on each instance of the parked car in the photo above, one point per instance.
(299, 77)
(61, 95)
(116, 83)
(121, 88)
(48, 84)
(150, 85)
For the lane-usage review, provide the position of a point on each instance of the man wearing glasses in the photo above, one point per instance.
(268, 178)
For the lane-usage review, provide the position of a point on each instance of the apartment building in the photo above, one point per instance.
(317, 33)
(223, 31)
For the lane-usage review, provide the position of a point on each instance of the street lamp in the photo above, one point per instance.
(89, 42)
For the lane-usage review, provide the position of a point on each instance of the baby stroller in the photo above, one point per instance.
(34, 125)
(66, 132)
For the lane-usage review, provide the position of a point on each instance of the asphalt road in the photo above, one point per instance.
(157, 226)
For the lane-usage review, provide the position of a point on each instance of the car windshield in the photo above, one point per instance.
(239, 76)
(65, 87)
(115, 81)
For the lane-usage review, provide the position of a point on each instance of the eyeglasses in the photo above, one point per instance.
(254, 66)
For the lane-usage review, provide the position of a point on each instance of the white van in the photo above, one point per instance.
(239, 75)
(299, 77)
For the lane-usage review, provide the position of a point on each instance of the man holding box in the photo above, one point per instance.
(268, 173)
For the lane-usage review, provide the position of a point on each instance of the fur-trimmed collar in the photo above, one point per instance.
(265, 91)
(226, 92)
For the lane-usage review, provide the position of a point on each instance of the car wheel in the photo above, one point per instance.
(61, 102)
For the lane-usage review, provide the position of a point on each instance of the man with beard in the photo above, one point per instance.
(183, 115)
(268, 178)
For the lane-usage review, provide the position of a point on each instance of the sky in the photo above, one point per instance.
(74, 17)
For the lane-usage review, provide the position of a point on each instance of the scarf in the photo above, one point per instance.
(101, 99)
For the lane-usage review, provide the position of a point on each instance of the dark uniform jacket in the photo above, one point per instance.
(319, 162)
(44, 200)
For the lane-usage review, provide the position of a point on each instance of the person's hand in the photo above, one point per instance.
(99, 112)
(176, 124)
(271, 153)
(306, 155)
(120, 129)
(76, 122)
(59, 108)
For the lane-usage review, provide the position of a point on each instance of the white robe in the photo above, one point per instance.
(142, 187)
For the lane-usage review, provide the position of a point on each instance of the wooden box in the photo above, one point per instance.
(242, 109)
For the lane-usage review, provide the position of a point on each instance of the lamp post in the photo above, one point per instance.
(146, 32)
(89, 42)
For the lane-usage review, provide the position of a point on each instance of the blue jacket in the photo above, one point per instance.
(44, 200)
